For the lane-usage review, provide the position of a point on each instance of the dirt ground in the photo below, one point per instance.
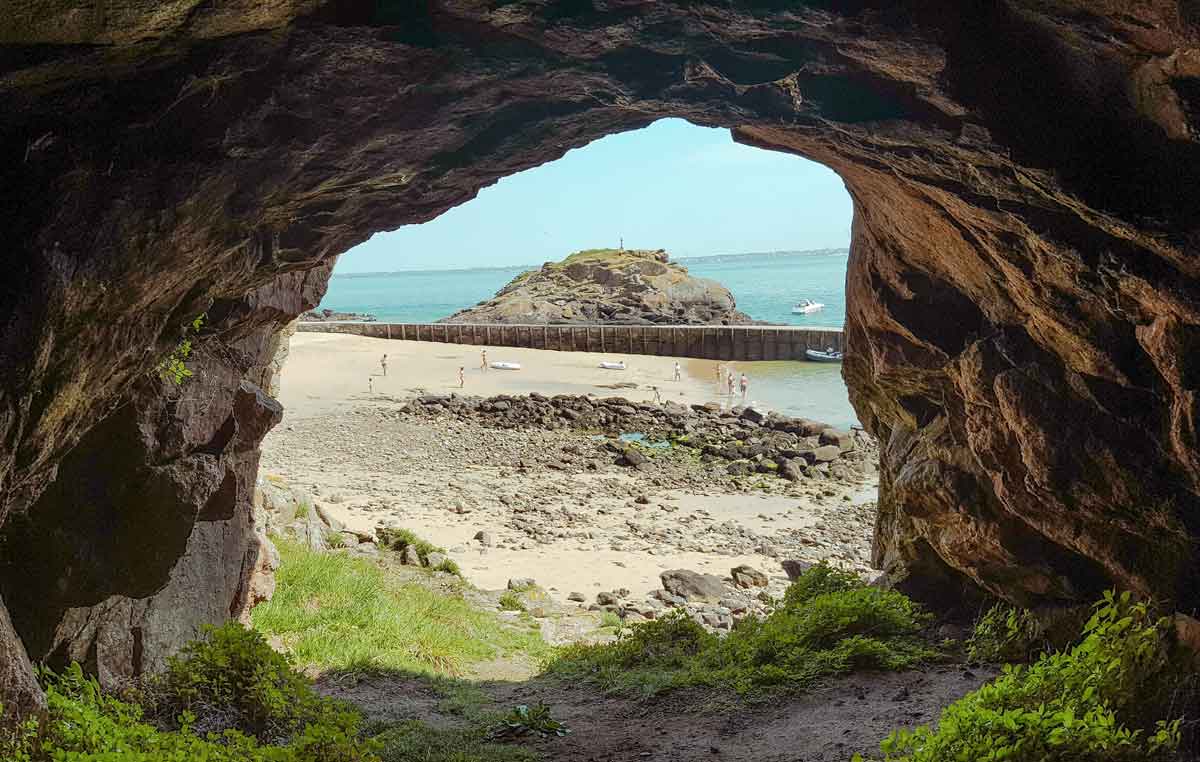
(830, 724)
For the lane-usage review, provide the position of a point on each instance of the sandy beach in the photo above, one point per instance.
(328, 370)
(552, 504)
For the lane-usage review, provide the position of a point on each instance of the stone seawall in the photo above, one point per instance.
(744, 343)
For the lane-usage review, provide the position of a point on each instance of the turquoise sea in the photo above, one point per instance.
(764, 285)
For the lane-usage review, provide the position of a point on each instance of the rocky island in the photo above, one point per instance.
(617, 286)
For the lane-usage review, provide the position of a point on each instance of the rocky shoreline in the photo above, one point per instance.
(744, 440)
(707, 510)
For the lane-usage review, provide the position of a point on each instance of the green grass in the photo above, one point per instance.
(510, 601)
(609, 619)
(336, 612)
(830, 623)
(414, 741)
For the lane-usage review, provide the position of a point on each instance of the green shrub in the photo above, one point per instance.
(84, 724)
(818, 580)
(829, 623)
(510, 601)
(232, 673)
(1006, 634)
(609, 619)
(1100, 701)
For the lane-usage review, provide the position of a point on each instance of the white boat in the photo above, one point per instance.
(806, 306)
(506, 365)
(612, 365)
(829, 355)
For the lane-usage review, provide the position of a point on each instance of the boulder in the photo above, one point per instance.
(747, 576)
(693, 586)
(435, 559)
(827, 453)
(794, 568)
(843, 440)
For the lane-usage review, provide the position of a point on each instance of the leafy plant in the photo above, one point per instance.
(1005, 633)
(173, 367)
(1100, 701)
(524, 720)
(609, 619)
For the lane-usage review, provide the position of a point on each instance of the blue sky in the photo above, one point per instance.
(690, 190)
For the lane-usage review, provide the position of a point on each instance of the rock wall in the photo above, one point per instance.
(1022, 293)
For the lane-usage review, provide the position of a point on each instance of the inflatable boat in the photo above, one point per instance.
(506, 365)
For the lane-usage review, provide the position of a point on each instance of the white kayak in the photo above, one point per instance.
(506, 365)
(613, 365)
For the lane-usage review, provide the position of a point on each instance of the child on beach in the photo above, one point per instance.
(483, 360)
(677, 370)
(383, 364)
(461, 377)
(370, 385)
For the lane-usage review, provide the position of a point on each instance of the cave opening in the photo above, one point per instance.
(1023, 287)
(666, 231)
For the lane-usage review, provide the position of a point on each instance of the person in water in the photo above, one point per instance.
(462, 379)
(383, 364)
(729, 384)
(370, 385)
(676, 370)
(745, 384)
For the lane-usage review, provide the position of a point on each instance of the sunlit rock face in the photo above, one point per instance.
(1022, 290)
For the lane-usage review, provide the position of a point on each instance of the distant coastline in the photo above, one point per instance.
(504, 268)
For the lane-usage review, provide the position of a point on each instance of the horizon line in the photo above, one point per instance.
(777, 252)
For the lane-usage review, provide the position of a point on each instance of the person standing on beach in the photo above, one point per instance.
(383, 364)
(729, 384)
(483, 360)
(370, 385)
(462, 379)
(745, 384)
(676, 370)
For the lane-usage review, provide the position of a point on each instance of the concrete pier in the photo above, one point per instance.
(711, 342)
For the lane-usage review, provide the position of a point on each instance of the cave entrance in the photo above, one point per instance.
(771, 227)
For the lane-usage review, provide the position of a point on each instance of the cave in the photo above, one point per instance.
(1022, 296)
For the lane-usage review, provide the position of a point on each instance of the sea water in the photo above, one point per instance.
(764, 285)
